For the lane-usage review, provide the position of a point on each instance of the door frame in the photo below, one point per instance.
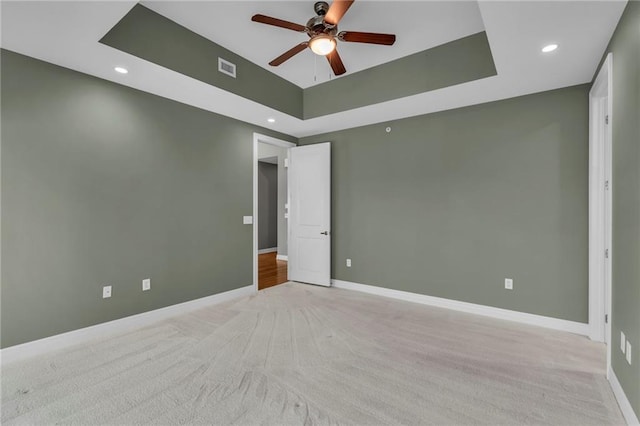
(257, 139)
(600, 165)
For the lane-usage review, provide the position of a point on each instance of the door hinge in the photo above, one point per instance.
(606, 119)
(606, 318)
(606, 184)
(606, 253)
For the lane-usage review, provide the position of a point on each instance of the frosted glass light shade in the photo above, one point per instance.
(322, 44)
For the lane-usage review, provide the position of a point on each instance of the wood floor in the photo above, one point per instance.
(271, 271)
(299, 354)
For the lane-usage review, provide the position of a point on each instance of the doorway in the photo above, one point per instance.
(270, 211)
(271, 270)
(600, 206)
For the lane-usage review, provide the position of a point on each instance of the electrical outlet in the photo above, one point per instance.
(348, 263)
(628, 352)
(146, 284)
(508, 283)
(106, 292)
(623, 342)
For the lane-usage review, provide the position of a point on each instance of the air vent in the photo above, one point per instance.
(227, 67)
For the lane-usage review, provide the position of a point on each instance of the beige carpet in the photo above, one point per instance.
(298, 354)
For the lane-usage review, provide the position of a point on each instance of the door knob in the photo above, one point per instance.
(325, 233)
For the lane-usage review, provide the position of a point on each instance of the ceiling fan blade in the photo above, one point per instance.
(337, 10)
(373, 38)
(336, 63)
(289, 53)
(263, 19)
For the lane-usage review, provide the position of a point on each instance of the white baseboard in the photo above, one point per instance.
(472, 308)
(82, 335)
(625, 406)
(282, 257)
(267, 250)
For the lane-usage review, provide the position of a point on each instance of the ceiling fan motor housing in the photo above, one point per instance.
(317, 25)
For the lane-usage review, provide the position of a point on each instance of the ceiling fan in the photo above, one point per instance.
(323, 33)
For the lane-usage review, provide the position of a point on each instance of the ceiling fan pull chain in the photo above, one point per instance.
(315, 68)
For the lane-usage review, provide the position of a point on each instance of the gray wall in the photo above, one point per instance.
(625, 46)
(449, 64)
(450, 204)
(267, 205)
(268, 151)
(103, 184)
(149, 35)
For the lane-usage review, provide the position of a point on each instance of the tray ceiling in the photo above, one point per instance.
(68, 33)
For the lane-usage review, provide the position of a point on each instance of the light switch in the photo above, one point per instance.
(247, 220)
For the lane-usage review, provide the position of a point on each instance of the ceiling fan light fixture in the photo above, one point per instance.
(322, 44)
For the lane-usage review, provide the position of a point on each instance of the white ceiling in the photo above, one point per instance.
(67, 34)
(418, 26)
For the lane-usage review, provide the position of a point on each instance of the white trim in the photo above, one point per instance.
(472, 308)
(282, 257)
(599, 237)
(268, 250)
(257, 138)
(625, 406)
(87, 334)
(273, 141)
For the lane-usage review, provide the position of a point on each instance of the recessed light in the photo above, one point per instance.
(121, 70)
(271, 120)
(549, 48)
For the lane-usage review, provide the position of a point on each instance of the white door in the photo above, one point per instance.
(310, 214)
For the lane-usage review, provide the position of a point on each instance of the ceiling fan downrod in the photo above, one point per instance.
(321, 8)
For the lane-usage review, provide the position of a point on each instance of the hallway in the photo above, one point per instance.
(271, 271)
